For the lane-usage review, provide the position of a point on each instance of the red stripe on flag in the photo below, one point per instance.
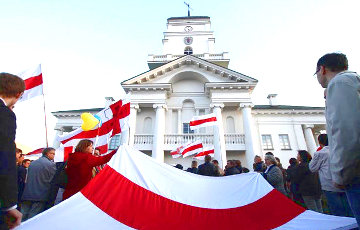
(119, 112)
(67, 150)
(199, 122)
(191, 148)
(32, 82)
(204, 153)
(140, 208)
(102, 148)
(36, 151)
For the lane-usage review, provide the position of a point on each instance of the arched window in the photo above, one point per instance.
(230, 124)
(188, 50)
(147, 128)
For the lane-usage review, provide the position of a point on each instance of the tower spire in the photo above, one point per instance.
(189, 8)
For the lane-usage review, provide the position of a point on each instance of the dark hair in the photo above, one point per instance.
(18, 150)
(82, 145)
(277, 159)
(97, 148)
(24, 161)
(323, 139)
(179, 166)
(269, 153)
(207, 158)
(11, 85)
(237, 162)
(215, 161)
(336, 62)
(304, 156)
(293, 161)
(47, 150)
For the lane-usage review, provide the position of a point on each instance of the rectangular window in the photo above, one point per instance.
(186, 128)
(284, 142)
(114, 142)
(267, 142)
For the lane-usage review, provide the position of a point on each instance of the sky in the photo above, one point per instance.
(87, 48)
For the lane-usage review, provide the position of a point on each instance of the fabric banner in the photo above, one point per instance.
(198, 122)
(192, 148)
(134, 191)
(209, 150)
(33, 83)
(114, 119)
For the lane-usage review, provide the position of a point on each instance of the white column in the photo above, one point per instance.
(219, 139)
(179, 122)
(159, 132)
(251, 138)
(300, 138)
(309, 137)
(56, 143)
(132, 123)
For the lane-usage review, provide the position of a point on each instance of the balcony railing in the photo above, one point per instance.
(178, 139)
(234, 139)
(143, 139)
(170, 57)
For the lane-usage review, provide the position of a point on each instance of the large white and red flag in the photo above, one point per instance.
(33, 83)
(192, 148)
(114, 120)
(198, 122)
(176, 153)
(209, 150)
(134, 191)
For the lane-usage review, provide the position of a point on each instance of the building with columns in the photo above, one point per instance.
(189, 79)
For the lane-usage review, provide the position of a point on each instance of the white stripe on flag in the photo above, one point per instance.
(33, 83)
(192, 148)
(203, 121)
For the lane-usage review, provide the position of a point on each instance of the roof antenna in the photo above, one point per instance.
(189, 8)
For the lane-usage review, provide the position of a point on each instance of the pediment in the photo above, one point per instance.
(163, 75)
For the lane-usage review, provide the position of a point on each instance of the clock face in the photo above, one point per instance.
(188, 40)
(188, 28)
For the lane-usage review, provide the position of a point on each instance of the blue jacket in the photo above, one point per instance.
(40, 174)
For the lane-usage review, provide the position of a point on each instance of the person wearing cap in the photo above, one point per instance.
(342, 124)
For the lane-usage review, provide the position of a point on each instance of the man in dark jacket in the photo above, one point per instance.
(193, 168)
(231, 168)
(208, 168)
(11, 89)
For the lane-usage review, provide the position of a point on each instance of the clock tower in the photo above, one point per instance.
(190, 35)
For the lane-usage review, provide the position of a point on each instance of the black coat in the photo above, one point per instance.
(231, 171)
(208, 169)
(309, 183)
(8, 168)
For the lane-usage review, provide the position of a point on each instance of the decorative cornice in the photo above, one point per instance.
(148, 87)
(229, 86)
(189, 60)
(287, 112)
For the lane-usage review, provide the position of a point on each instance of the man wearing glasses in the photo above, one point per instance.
(343, 124)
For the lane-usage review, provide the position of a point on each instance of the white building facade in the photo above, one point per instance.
(189, 79)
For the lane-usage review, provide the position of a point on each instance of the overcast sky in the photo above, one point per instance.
(87, 48)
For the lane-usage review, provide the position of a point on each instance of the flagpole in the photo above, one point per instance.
(46, 132)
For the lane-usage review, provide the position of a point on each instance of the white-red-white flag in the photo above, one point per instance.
(209, 150)
(134, 191)
(198, 122)
(176, 152)
(33, 83)
(114, 120)
(192, 148)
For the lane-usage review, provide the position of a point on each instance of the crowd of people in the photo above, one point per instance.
(333, 172)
